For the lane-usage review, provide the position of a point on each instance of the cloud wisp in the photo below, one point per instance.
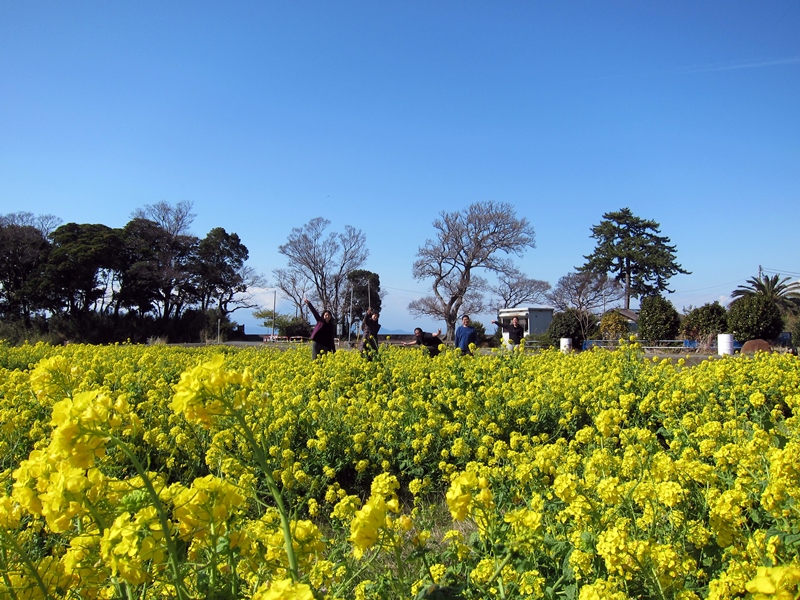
(710, 68)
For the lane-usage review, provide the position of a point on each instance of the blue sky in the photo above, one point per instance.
(380, 115)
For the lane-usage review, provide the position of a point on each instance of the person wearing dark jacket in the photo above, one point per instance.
(323, 337)
(370, 327)
(429, 341)
(515, 331)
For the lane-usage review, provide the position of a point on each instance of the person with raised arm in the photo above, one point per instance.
(515, 331)
(429, 341)
(323, 337)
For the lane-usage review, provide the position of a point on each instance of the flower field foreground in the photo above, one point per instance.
(160, 472)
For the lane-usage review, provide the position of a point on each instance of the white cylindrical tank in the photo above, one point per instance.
(566, 344)
(724, 344)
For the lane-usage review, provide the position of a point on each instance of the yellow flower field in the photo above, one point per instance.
(162, 472)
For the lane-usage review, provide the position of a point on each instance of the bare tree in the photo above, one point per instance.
(584, 293)
(319, 264)
(243, 297)
(174, 219)
(468, 240)
(293, 283)
(515, 289)
(46, 224)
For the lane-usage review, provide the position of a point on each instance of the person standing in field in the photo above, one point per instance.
(466, 335)
(515, 331)
(370, 327)
(429, 341)
(323, 337)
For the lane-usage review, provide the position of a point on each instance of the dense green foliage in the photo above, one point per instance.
(658, 319)
(366, 293)
(568, 324)
(704, 322)
(613, 326)
(93, 283)
(631, 249)
(754, 317)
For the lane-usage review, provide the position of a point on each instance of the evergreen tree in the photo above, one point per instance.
(365, 293)
(630, 248)
(571, 324)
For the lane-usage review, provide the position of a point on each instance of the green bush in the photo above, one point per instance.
(754, 317)
(480, 333)
(295, 327)
(705, 321)
(658, 319)
(568, 324)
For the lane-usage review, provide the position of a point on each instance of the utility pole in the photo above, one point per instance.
(350, 322)
(274, 303)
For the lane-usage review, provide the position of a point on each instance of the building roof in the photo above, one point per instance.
(631, 315)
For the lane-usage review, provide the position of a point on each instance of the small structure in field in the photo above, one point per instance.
(534, 319)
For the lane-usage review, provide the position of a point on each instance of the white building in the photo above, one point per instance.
(534, 319)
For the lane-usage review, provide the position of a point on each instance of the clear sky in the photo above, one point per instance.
(380, 115)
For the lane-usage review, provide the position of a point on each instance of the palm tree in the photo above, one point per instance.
(785, 295)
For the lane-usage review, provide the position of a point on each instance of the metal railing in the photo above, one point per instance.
(665, 346)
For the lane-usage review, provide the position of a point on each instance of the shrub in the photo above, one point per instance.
(568, 324)
(658, 319)
(705, 321)
(754, 317)
(480, 332)
(296, 327)
(613, 326)
(794, 328)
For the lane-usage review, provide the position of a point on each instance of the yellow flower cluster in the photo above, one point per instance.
(151, 472)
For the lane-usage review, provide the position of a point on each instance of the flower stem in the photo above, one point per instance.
(180, 587)
(276, 493)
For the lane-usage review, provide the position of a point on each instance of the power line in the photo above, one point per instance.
(780, 272)
(386, 287)
(713, 287)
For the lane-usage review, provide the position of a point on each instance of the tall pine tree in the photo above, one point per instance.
(631, 249)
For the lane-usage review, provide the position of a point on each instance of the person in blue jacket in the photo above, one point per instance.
(465, 335)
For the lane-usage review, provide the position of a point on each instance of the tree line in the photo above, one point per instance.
(92, 283)
(153, 279)
(470, 246)
(632, 259)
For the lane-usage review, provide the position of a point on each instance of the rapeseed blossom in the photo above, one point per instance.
(627, 471)
(284, 589)
(775, 583)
